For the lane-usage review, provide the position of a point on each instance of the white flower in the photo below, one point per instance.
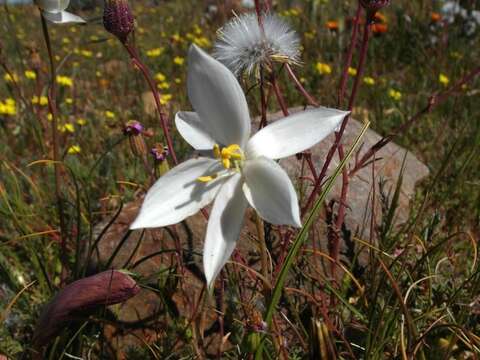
(54, 11)
(241, 170)
(242, 45)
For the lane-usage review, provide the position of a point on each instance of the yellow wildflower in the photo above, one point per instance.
(165, 99)
(42, 100)
(64, 81)
(81, 122)
(395, 94)
(69, 101)
(29, 74)
(155, 52)
(178, 81)
(160, 77)
(8, 107)
(109, 114)
(178, 60)
(323, 68)
(74, 149)
(66, 40)
(66, 128)
(176, 37)
(49, 117)
(369, 80)
(352, 71)
(86, 53)
(163, 85)
(10, 77)
(443, 79)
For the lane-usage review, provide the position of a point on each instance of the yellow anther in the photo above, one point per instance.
(216, 151)
(206, 179)
(226, 162)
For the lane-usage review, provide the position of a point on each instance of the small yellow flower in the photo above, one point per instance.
(202, 42)
(94, 38)
(74, 149)
(177, 38)
(163, 85)
(165, 99)
(64, 81)
(155, 52)
(66, 128)
(197, 29)
(81, 122)
(352, 71)
(8, 107)
(178, 60)
(42, 100)
(109, 114)
(31, 75)
(323, 69)
(160, 77)
(369, 80)
(86, 53)
(10, 77)
(394, 94)
(443, 79)
(66, 40)
(49, 117)
(178, 81)
(69, 101)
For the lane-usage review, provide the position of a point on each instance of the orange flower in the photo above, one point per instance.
(380, 18)
(332, 25)
(379, 28)
(435, 17)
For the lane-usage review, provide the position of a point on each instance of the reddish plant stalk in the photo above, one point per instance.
(52, 107)
(300, 87)
(345, 178)
(348, 59)
(318, 185)
(146, 74)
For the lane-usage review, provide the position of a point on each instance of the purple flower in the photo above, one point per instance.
(133, 127)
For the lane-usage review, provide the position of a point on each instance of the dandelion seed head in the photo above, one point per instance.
(242, 46)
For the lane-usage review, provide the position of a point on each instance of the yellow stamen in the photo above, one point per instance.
(216, 151)
(206, 179)
(226, 163)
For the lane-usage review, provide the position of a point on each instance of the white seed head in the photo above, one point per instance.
(242, 46)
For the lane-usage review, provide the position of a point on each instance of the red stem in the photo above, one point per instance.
(300, 87)
(163, 121)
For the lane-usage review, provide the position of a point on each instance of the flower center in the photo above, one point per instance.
(231, 157)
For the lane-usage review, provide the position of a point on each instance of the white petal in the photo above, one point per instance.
(223, 227)
(218, 99)
(295, 133)
(62, 17)
(193, 130)
(178, 194)
(270, 191)
(52, 5)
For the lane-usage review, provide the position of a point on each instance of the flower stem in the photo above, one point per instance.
(300, 87)
(52, 106)
(146, 74)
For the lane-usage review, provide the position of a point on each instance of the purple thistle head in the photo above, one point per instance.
(118, 19)
(133, 127)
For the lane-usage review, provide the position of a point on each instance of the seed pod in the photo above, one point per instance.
(106, 288)
(134, 130)
(118, 19)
